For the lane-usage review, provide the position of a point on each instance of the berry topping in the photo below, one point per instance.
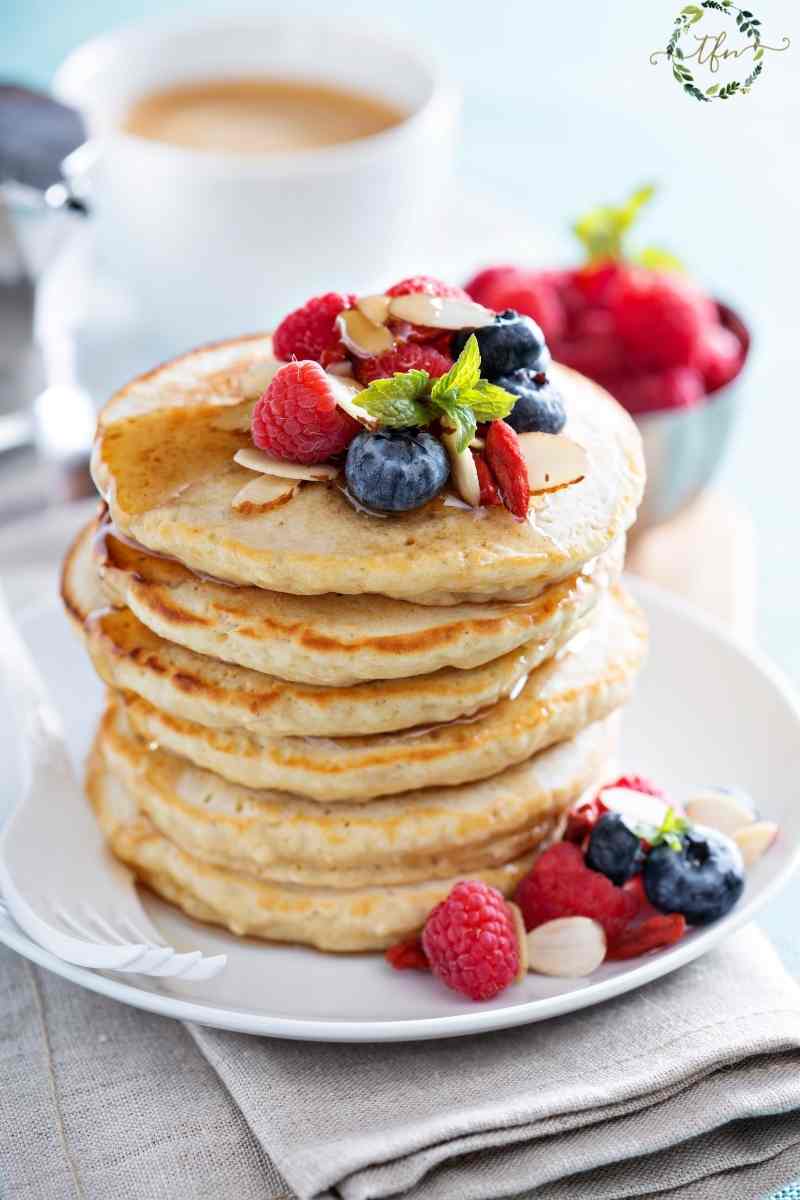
(471, 941)
(511, 341)
(649, 935)
(539, 408)
(719, 357)
(408, 955)
(561, 885)
(428, 285)
(299, 417)
(311, 331)
(395, 470)
(489, 495)
(614, 849)
(532, 293)
(582, 819)
(660, 317)
(698, 872)
(677, 387)
(407, 356)
(636, 783)
(508, 467)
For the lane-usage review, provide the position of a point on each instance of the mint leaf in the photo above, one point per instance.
(488, 401)
(464, 374)
(669, 831)
(397, 402)
(460, 418)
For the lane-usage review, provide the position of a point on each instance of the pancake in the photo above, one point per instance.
(128, 656)
(590, 678)
(163, 460)
(409, 838)
(339, 640)
(359, 918)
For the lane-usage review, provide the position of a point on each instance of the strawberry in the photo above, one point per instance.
(678, 387)
(660, 317)
(719, 357)
(505, 460)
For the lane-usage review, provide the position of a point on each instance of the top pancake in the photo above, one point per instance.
(164, 463)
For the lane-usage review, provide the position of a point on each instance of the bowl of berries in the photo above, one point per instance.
(637, 324)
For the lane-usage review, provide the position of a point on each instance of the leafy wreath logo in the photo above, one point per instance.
(710, 50)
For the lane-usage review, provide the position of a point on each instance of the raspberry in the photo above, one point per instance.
(678, 387)
(660, 318)
(297, 418)
(428, 285)
(650, 934)
(490, 497)
(471, 941)
(310, 331)
(505, 460)
(407, 955)
(403, 357)
(719, 357)
(636, 783)
(582, 819)
(561, 885)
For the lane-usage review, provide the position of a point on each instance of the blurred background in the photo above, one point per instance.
(562, 110)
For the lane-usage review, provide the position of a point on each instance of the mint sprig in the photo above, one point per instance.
(459, 398)
(603, 233)
(669, 831)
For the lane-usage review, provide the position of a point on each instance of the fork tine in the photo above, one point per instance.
(176, 964)
(207, 968)
(107, 929)
(133, 931)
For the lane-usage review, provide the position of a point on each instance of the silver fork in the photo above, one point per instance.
(57, 878)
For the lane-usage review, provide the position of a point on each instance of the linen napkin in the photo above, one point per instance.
(688, 1088)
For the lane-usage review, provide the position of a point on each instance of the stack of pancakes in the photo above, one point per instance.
(319, 719)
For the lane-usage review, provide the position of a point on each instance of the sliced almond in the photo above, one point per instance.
(257, 378)
(374, 308)
(363, 337)
(755, 839)
(463, 470)
(343, 369)
(477, 443)
(262, 494)
(234, 416)
(440, 312)
(265, 464)
(720, 809)
(345, 392)
(553, 461)
(522, 940)
(568, 947)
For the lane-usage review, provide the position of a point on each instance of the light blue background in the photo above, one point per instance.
(563, 109)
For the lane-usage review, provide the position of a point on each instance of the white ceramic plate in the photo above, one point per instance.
(707, 711)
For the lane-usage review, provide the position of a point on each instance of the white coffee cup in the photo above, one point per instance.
(213, 244)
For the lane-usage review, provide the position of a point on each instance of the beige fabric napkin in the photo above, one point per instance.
(688, 1088)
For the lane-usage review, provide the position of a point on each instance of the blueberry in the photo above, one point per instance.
(511, 341)
(540, 408)
(395, 470)
(614, 849)
(703, 880)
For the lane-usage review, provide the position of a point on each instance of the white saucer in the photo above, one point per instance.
(706, 712)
